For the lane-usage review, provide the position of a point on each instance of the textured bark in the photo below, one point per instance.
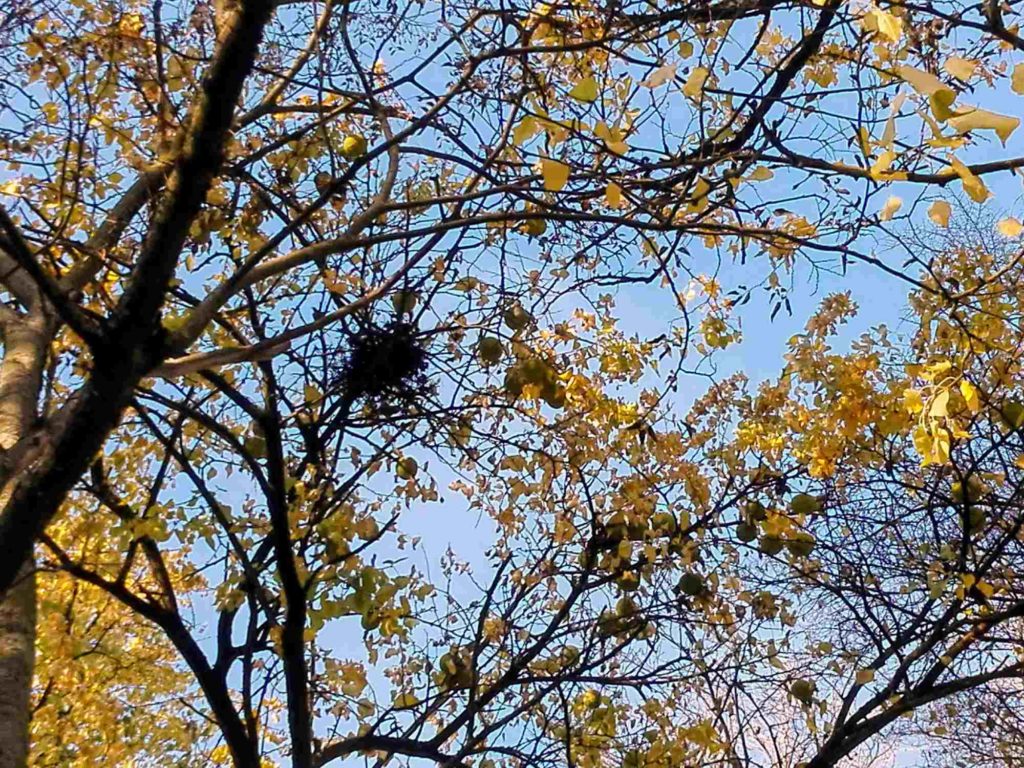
(17, 657)
(25, 344)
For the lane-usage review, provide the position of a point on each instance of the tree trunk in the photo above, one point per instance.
(25, 343)
(17, 658)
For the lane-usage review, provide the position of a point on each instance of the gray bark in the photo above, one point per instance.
(17, 661)
(25, 341)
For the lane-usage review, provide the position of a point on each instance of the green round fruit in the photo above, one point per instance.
(664, 524)
(513, 382)
(404, 301)
(771, 545)
(804, 504)
(975, 490)
(801, 545)
(628, 581)
(536, 371)
(975, 519)
(353, 146)
(625, 607)
(256, 446)
(1013, 414)
(803, 690)
(608, 624)
(746, 532)
(554, 395)
(755, 511)
(323, 182)
(406, 468)
(517, 318)
(691, 584)
(534, 227)
(489, 350)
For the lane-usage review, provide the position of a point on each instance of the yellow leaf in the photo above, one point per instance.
(892, 205)
(821, 74)
(970, 395)
(985, 588)
(526, 130)
(1017, 79)
(941, 103)
(1010, 227)
(703, 734)
(699, 197)
(975, 119)
(961, 69)
(935, 370)
(556, 131)
(973, 186)
(216, 196)
(940, 447)
(174, 322)
(889, 26)
(694, 85)
(932, 444)
(938, 409)
(353, 679)
(312, 394)
(923, 82)
(940, 96)
(406, 700)
(760, 174)
(889, 134)
(612, 137)
(864, 141)
(613, 195)
(881, 165)
(660, 76)
(865, 676)
(685, 49)
(913, 401)
(585, 90)
(939, 212)
(884, 23)
(938, 139)
(555, 174)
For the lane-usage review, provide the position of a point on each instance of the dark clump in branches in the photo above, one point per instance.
(385, 364)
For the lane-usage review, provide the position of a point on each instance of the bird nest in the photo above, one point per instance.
(386, 364)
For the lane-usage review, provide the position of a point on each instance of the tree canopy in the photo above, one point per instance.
(298, 293)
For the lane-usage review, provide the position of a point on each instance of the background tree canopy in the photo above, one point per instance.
(374, 385)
